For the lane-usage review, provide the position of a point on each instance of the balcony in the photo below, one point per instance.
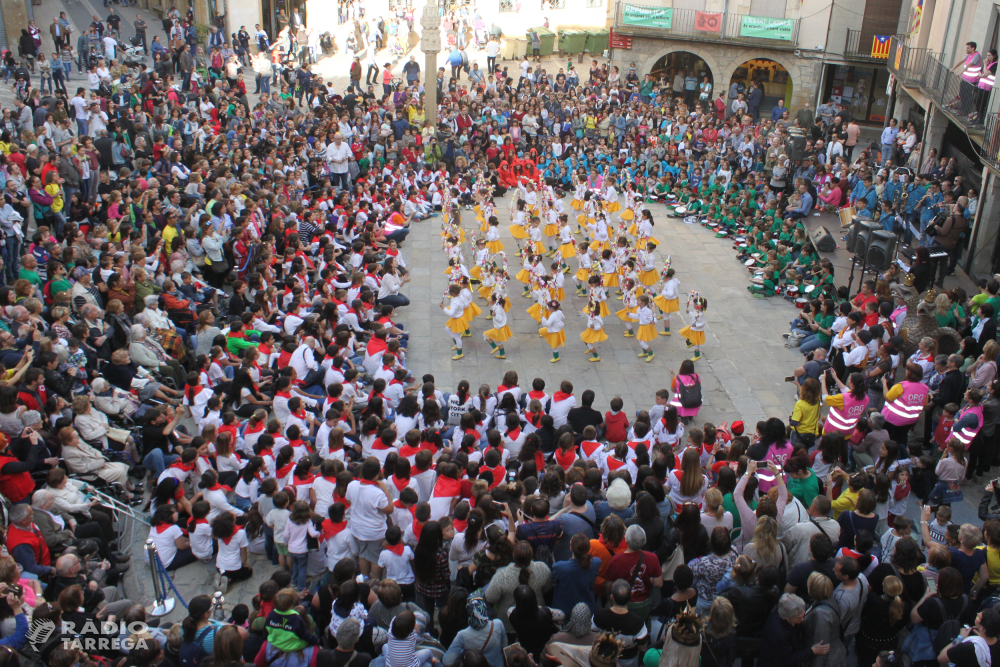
(694, 25)
(991, 141)
(860, 46)
(964, 104)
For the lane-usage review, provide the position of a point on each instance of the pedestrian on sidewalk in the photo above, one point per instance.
(140, 33)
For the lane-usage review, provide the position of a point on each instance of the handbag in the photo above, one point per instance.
(222, 266)
(676, 559)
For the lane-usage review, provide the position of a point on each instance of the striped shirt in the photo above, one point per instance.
(401, 652)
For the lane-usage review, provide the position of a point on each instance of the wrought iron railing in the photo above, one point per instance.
(965, 102)
(862, 45)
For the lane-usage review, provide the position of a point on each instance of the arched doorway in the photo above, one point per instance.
(682, 63)
(773, 76)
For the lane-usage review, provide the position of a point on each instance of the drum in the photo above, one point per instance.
(681, 210)
(793, 289)
(743, 245)
(801, 303)
(690, 219)
(749, 262)
(810, 289)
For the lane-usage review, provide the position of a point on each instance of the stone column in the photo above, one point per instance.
(430, 44)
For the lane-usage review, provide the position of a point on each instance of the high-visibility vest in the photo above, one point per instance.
(906, 409)
(972, 72)
(966, 435)
(989, 77)
(844, 420)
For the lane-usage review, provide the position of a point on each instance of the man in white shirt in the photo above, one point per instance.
(303, 360)
(338, 155)
(370, 503)
(79, 104)
(562, 402)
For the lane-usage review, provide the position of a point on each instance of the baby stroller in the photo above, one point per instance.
(326, 43)
(132, 56)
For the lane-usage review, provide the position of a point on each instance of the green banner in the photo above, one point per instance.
(650, 17)
(756, 26)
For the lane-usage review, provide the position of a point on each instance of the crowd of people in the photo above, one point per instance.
(201, 318)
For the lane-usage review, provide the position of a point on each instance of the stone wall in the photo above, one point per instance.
(723, 60)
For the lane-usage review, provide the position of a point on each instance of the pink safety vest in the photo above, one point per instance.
(966, 435)
(989, 77)
(972, 72)
(906, 409)
(844, 421)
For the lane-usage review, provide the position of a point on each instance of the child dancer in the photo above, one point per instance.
(582, 275)
(455, 323)
(594, 333)
(567, 246)
(482, 258)
(580, 192)
(535, 236)
(647, 327)
(598, 295)
(551, 230)
(519, 218)
(668, 300)
(493, 235)
(644, 230)
(500, 333)
(540, 292)
(647, 259)
(631, 305)
(695, 332)
(611, 204)
(609, 268)
(552, 329)
(472, 310)
(558, 282)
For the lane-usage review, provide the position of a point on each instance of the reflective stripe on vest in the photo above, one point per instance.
(972, 72)
(844, 420)
(986, 83)
(906, 409)
(966, 435)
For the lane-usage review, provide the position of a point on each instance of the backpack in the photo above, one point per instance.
(690, 397)
(950, 628)
(191, 654)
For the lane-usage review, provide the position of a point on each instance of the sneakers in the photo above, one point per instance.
(467, 334)
(665, 332)
(629, 334)
(649, 357)
(642, 354)
(223, 584)
(594, 359)
(690, 345)
(501, 356)
(785, 335)
(696, 357)
(460, 355)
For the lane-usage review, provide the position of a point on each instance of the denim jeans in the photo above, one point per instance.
(269, 550)
(11, 257)
(811, 343)
(299, 563)
(156, 461)
(81, 126)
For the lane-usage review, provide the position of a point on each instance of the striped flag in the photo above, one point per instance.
(880, 46)
(915, 17)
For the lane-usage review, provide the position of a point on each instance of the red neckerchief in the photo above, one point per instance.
(379, 445)
(163, 527)
(460, 524)
(614, 464)
(284, 470)
(395, 381)
(331, 529)
(308, 479)
(565, 460)
(229, 539)
(369, 482)
(180, 465)
(446, 487)
(514, 433)
(251, 429)
(396, 548)
(590, 446)
(341, 499)
(400, 484)
(417, 528)
(283, 394)
(219, 487)
(407, 451)
(236, 335)
(561, 396)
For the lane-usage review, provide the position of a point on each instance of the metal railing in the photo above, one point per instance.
(860, 45)
(991, 140)
(964, 102)
(724, 28)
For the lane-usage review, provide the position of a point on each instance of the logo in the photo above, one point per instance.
(91, 637)
(40, 633)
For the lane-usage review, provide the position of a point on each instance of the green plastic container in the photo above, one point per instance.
(573, 42)
(597, 41)
(546, 36)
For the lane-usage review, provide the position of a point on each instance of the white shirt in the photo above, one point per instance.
(367, 521)
(166, 547)
(335, 153)
(201, 541)
(296, 536)
(229, 558)
(560, 410)
(396, 567)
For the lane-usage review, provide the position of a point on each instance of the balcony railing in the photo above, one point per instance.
(965, 103)
(691, 24)
(861, 46)
(991, 141)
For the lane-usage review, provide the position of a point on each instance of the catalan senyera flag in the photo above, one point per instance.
(915, 19)
(880, 46)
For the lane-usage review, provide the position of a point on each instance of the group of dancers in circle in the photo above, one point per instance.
(624, 262)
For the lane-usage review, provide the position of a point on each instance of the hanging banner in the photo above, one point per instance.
(708, 21)
(880, 46)
(649, 17)
(755, 26)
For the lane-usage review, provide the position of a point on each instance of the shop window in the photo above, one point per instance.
(507, 6)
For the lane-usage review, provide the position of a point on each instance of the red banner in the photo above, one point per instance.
(708, 21)
(620, 41)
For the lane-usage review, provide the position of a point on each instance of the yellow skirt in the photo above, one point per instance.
(523, 276)
(538, 246)
(517, 231)
(455, 325)
(640, 244)
(476, 272)
(478, 208)
(650, 277)
(495, 246)
(576, 205)
(600, 247)
(624, 313)
(667, 305)
(604, 311)
(591, 336)
(633, 229)
(611, 280)
(485, 291)
(474, 309)
(560, 294)
(612, 207)
(583, 275)
(447, 270)
(557, 339)
(536, 312)
(646, 333)
(581, 219)
(461, 235)
(550, 230)
(567, 250)
(506, 306)
(484, 226)
(500, 335)
(628, 215)
(696, 337)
